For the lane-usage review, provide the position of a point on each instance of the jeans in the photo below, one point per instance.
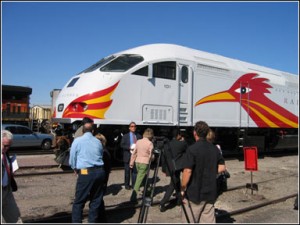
(89, 187)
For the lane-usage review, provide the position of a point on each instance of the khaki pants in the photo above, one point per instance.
(202, 213)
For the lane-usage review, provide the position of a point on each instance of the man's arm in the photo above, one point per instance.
(186, 175)
(124, 143)
(73, 153)
(221, 163)
(221, 168)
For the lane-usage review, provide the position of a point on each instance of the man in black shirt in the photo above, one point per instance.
(198, 186)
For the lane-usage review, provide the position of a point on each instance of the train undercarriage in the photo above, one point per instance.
(231, 140)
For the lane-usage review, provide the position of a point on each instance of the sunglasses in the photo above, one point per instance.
(132, 126)
(6, 146)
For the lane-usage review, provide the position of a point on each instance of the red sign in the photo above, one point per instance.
(250, 156)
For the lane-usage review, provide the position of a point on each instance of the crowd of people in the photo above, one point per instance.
(192, 169)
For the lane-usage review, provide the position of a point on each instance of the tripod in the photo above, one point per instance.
(147, 200)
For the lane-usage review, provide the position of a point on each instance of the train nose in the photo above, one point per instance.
(73, 107)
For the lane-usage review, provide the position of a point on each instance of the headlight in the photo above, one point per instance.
(60, 107)
(79, 106)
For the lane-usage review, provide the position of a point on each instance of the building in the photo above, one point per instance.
(40, 116)
(40, 112)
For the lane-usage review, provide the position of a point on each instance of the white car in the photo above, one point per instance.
(24, 137)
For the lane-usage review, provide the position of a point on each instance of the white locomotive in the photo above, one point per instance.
(166, 85)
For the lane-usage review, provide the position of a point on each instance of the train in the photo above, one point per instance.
(163, 86)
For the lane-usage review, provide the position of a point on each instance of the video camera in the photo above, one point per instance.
(159, 144)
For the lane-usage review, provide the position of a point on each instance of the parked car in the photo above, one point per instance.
(24, 137)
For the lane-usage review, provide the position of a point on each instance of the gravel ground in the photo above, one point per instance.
(44, 196)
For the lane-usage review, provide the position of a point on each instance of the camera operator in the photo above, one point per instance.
(172, 166)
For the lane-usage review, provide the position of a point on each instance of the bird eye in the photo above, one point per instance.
(243, 90)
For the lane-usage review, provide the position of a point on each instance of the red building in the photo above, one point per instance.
(15, 104)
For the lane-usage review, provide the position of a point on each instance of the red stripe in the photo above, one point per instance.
(101, 105)
(96, 94)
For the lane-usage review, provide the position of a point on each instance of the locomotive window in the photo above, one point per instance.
(73, 82)
(166, 70)
(122, 63)
(184, 74)
(142, 72)
(98, 64)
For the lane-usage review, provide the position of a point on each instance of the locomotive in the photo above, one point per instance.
(163, 86)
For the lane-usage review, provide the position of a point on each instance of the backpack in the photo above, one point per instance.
(222, 182)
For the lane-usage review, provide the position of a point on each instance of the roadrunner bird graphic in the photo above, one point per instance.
(249, 90)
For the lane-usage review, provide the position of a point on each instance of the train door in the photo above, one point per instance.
(185, 93)
(159, 94)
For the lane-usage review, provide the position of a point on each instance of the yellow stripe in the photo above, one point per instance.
(99, 113)
(265, 119)
(277, 115)
(216, 97)
(104, 98)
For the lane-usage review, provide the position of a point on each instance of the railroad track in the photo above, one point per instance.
(227, 154)
(67, 170)
(64, 170)
(255, 206)
(26, 151)
(274, 153)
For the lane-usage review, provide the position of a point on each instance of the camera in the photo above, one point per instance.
(159, 143)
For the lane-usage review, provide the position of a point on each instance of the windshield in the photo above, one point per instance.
(122, 63)
(98, 64)
(73, 82)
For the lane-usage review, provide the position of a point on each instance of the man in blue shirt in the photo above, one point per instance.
(86, 159)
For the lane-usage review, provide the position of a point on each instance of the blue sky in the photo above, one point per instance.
(45, 43)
